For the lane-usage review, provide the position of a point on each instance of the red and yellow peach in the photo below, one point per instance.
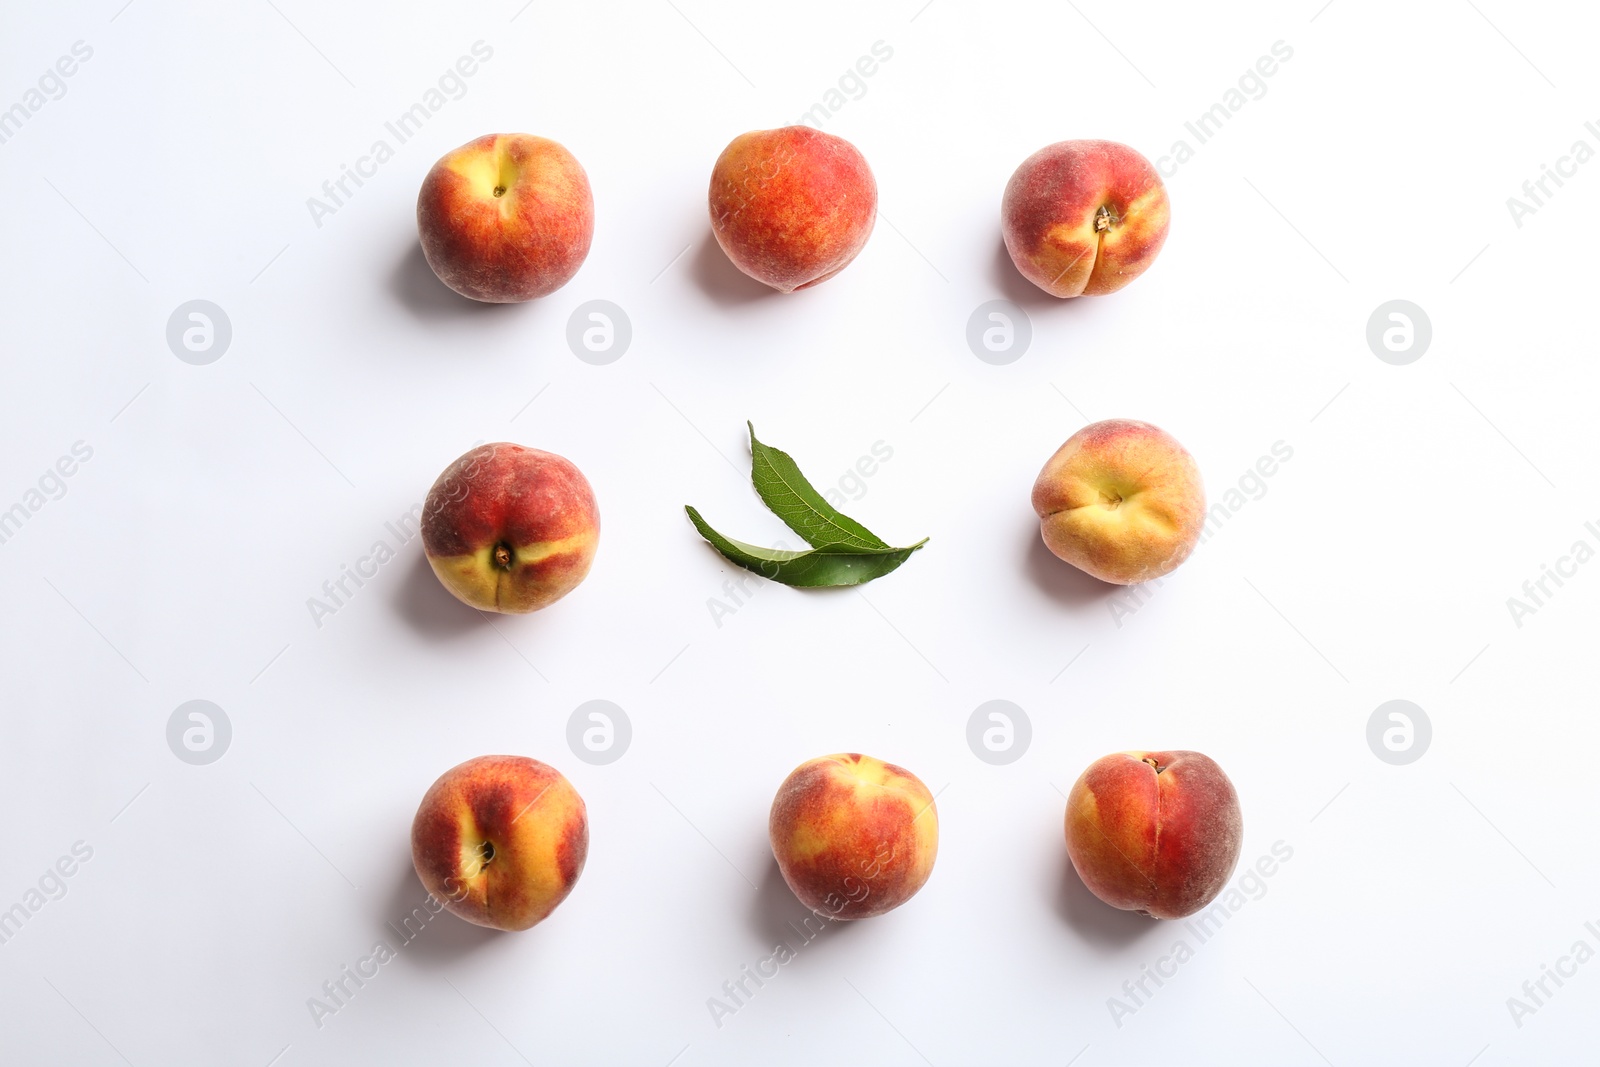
(511, 529)
(506, 218)
(1121, 500)
(1154, 832)
(1083, 218)
(500, 840)
(854, 837)
(792, 207)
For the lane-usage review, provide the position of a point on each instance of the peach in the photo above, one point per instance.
(1083, 218)
(500, 840)
(1121, 500)
(853, 836)
(506, 218)
(510, 529)
(1154, 832)
(792, 207)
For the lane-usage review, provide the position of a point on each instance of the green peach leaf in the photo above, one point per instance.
(821, 567)
(788, 495)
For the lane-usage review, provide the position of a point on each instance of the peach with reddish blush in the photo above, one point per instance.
(854, 836)
(506, 218)
(500, 840)
(1084, 218)
(509, 528)
(792, 207)
(1121, 500)
(1154, 832)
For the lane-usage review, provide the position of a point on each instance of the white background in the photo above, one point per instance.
(1377, 565)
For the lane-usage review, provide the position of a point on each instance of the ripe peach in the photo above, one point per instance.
(1121, 500)
(792, 207)
(854, 836)
(510, 529)
(1082, 218)
(1154, 832)
(506, 218)
(500, 840)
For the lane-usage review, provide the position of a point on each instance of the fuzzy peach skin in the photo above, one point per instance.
(1122, 500)
(500, 840)
(1084, 218)
(853, 836)
(506, 218)
(792, 207)
(511, 529)
(1154, 832)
